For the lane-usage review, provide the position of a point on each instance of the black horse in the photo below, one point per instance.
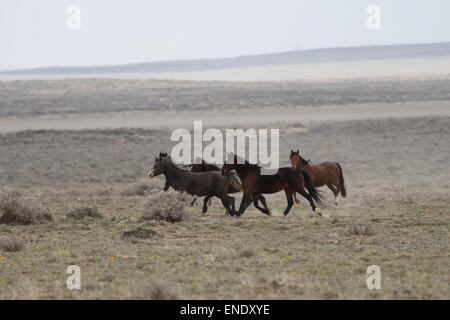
(203, 184)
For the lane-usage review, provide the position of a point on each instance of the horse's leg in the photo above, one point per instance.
(205, 204)
(232, 200)
(290, 200)
(335, 191)
(231, 210)
(264, 203)
(245, 202)
(228, 203)
(311, 201)
(166, 186)
(261, 198)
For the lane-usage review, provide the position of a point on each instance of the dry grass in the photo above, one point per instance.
(11, 244)
(140, 188)
(300, 256)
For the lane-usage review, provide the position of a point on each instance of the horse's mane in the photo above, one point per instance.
(172, 164)
(307, 162)
(245, 164)
(210, 165)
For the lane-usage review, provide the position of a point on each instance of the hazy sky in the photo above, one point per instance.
(35, 33)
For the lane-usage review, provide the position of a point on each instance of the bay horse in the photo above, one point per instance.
(325, 173)
(201, 184)
(203, 167)
(289, 179)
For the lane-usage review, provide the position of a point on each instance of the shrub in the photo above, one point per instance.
(139, 232)
(167, 206)
(159, 291)
(14, 210)
(246, 253)
(361, 229)
(84, 212)
(11, 244)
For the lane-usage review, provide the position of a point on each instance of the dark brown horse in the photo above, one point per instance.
(203, 167)
(325, 173)
(203, 184)
(290, 180)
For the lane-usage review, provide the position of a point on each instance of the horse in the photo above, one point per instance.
(288, 179)
(325, 173)
(201, 184)
(203, 167)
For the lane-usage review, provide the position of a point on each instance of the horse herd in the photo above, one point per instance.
(208, 180)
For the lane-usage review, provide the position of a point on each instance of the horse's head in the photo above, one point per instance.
(227, 167)
(230, 164)
(158, 167)
(295, 158)
(162, 155)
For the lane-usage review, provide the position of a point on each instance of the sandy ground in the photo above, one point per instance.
(160, 120)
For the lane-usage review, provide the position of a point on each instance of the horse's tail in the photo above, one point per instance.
(312, 190)
(342, 181)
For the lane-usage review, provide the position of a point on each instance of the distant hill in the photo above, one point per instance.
(292, 57)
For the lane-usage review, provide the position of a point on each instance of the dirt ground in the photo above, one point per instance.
(398, 181)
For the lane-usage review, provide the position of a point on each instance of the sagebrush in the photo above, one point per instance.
(11, 244)
(167, 206)
(16, 210)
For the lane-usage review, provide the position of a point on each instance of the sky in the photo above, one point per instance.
(36, 33)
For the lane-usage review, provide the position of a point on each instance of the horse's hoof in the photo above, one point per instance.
(318, 211)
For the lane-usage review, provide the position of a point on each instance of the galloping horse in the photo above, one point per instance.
(325, 173)
(201, 184)
(290, 180)
(204, 167)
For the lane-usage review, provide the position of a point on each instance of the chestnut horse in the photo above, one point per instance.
(325, 173)
(290, 180)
